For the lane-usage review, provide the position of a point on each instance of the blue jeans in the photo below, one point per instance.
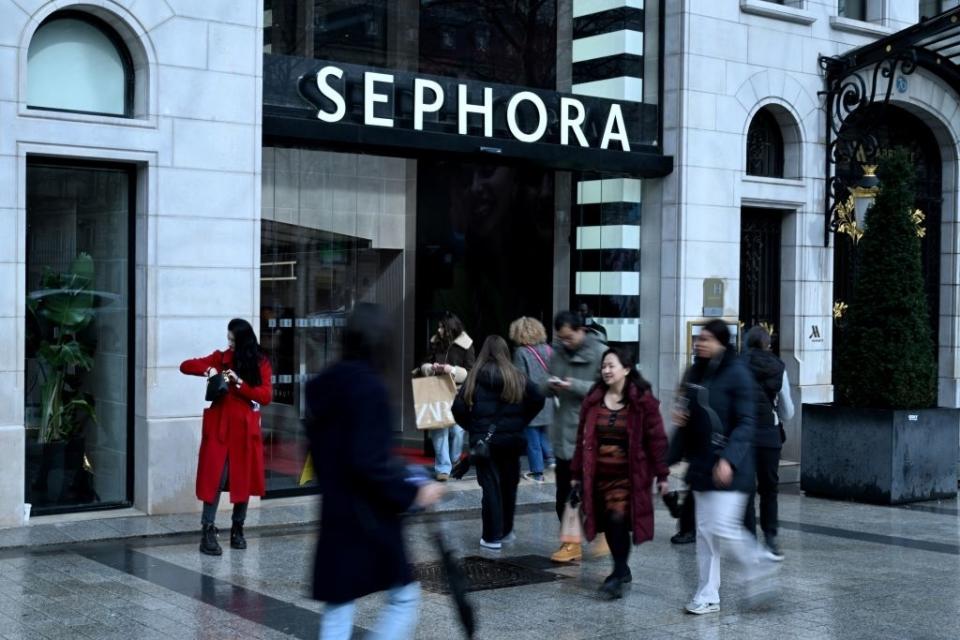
(448, 445)
(398, 620)
(538, 447)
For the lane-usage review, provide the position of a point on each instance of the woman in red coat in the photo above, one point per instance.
(231, 448)
(621, 448)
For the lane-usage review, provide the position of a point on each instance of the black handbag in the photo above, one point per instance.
(217, 386)
(481, 448)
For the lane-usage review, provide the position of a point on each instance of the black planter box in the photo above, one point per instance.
(880, 456)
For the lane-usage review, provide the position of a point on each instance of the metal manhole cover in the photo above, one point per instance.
(484, 574)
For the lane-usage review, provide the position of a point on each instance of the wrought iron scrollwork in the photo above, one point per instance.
(851, 88)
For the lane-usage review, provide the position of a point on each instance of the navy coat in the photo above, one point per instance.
(731, 397)
(365, 490)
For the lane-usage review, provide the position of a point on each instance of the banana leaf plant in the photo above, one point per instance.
(61, 310)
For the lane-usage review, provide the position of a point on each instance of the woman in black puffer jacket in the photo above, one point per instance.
(495, 404)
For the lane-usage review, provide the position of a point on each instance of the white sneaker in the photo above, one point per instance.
(510, 537)
(700, 608)
(495, 546)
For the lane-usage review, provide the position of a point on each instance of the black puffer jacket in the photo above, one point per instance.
(767, 370)
(486, 402)
(729, 394)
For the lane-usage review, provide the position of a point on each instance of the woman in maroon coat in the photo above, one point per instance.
(621, 448)
(231, 447)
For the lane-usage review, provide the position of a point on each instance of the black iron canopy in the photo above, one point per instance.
(869, 75)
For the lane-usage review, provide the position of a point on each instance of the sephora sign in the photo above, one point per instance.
(349, 94)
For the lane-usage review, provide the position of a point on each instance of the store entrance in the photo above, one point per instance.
(484, 246)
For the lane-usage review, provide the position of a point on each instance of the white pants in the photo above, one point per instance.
(720, 517)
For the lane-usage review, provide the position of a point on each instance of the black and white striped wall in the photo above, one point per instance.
(608, 46)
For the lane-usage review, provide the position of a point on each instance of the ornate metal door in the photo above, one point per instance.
(760, 271)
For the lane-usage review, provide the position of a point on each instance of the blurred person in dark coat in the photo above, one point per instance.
(365, 490)
(718, 431)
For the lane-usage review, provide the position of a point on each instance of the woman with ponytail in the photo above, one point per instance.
(621, 448)
(231, 447)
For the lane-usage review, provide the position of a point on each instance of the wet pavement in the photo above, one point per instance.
(851, 572)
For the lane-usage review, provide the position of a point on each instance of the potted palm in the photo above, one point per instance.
(60, 348)
(884, 440)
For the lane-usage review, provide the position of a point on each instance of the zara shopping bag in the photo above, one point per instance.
(432, 401)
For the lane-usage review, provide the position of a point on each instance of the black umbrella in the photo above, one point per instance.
(457, 581)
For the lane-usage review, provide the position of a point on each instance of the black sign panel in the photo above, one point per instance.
(402, 112)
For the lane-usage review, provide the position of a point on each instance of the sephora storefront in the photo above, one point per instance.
(419, 155)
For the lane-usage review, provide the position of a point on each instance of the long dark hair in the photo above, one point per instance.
(452, 328)
(247, 354)
(495, 352)
(625, 356)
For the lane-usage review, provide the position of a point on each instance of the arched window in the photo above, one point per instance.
(765, 146)
(76, 62)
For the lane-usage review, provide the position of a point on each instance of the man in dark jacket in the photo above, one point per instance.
(718, 432)
(767, 370)
(365, 491)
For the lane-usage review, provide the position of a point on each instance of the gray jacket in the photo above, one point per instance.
(530, 365)
(583, 368)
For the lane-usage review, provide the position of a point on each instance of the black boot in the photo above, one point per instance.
(208, 541)
(237, 541)
(612, 587)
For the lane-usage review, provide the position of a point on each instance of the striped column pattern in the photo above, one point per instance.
(608, 63)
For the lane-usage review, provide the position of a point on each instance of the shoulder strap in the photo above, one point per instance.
(539, 359)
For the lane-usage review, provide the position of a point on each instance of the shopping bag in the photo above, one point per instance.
(571, 528)
(432, 401)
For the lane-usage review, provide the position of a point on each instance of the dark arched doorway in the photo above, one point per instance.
(896, 127)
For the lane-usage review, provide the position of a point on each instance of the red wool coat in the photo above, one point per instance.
(231, 430)
(647, 456)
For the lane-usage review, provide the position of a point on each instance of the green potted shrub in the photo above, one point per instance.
(883, 440)
(60, 344)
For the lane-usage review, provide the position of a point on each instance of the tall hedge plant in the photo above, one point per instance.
(886, 358)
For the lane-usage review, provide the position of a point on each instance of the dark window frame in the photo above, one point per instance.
(132, 171)
(129, 76)
(765, 146)
(847, 7)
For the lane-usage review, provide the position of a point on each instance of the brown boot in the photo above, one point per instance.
(568, 552)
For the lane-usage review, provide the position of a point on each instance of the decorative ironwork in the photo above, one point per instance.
(760, 231)
(868, 75)
(850, 137)
(839, 308)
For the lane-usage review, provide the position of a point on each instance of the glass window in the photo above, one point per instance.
(333, 234)
(853, 9)
(765, 146)
(930, 8)
(78, 353)
(485, 236)
(77, 63)
(512, 43)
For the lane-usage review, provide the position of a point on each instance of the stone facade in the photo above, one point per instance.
(195, 140)
(724, 61)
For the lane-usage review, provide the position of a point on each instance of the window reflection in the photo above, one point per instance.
(512, 43)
